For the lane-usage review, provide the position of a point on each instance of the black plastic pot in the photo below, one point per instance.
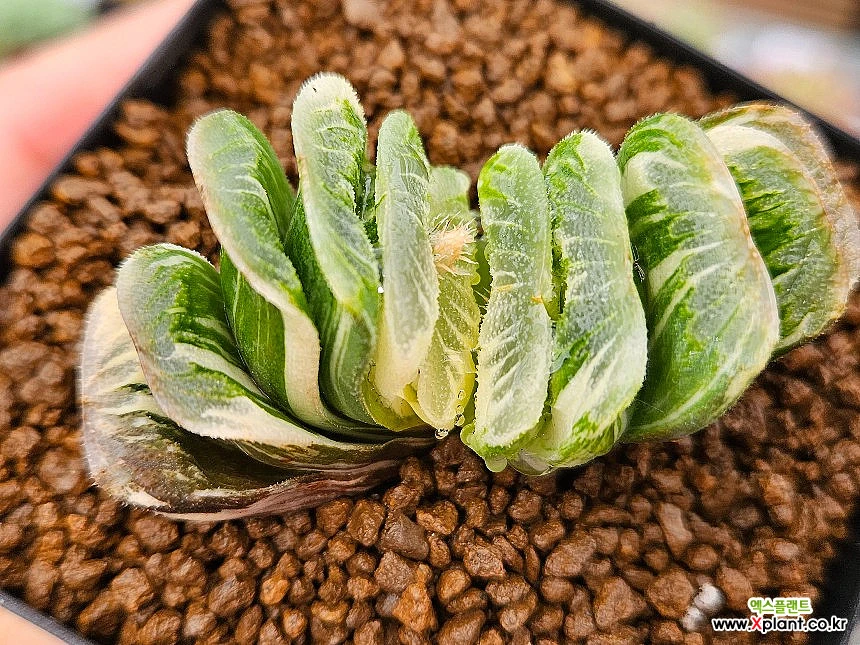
(841, 592)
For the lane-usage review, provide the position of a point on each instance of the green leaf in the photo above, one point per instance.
(449, 198)
(600, 341)
(709, 304)
(446, 378)
(330, 139)
(331, 249)
(261, 330)
(248, 201)
(515, 337)
(171, 301)
(410, 304)
(332, 252)
(799, 215)
(138, 455)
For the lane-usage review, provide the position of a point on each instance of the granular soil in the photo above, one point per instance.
(613, 552)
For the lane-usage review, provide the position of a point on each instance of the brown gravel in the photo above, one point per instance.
(609, 553)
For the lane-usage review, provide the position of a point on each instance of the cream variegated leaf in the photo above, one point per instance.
(514, 343)
(799, 215)
(709, 303)
(446, 379)
(410, 298)
(249, 202)
(170, 299)
(599, 346)
(138, 454)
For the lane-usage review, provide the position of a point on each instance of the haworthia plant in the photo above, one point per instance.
(599, 346)
(516, 332)
(799, 215)
(351, 319)
(710, 306)
(138, 454)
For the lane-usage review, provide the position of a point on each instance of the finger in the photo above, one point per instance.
(22, 632)
(51, 96)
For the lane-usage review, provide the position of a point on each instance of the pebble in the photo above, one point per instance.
(405, 537)
(670, 594)
(735, 586)
(230, 596)
(365, 14)
(615, 602)
(365, 521)
(462, 629)
(414, 608)
(452, 582)
(439, 518)
(132, 589)
(332, 516)
(483, 562)
(156, 534)
(162, 628)
(33, 250)
(678, 536)
(568, 558)
(394, 573)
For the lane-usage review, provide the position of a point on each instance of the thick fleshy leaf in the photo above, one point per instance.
(138, 455)
(800, 218)
(170, 299)
(332, 251)
(449, 198)
(260, 330)
(248, 201)
(446, 379)
(330, 140)
(515, 337)
(410, 300)
(600, 342)
(709, 303)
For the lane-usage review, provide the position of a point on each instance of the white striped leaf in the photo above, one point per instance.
(600, 340)
(410, 296)
(799, 215)
(709, 304)
(334, 257)
(248, 201)
(515, 338)
(171, 301)
(137, 454)
(446, 378)
(329, 232)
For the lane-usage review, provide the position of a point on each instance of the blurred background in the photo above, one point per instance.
(808, 51)
(27, 22)
(805, 50)
(61, 62)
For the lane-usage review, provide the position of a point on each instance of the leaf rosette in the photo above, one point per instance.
(335, 337)
(354, 319)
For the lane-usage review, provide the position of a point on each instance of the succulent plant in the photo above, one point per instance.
(341, 330)
(798, 213)
(301, 359)
(710, 306)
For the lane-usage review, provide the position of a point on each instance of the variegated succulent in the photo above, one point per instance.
(335, 338)
(627, 300)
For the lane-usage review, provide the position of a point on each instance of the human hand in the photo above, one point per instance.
(49, 97)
